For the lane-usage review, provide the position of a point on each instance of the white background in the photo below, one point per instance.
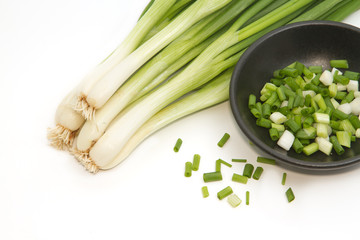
(45, 49)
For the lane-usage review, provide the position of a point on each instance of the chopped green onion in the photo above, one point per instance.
(339, 114)
(266, 160)
(321, 118)
(248, 170)
(337, 146)
(234, 200)
(315, 69)
(311, 148)
(212, 176)
(239, 178)
(290, 195)
(178, 145)
(339, 63)
(247, 198)
(352, 75)
(196, 162)
(344, 138)
(218, 164)
(306, 133)
(223, 140)
(252, 101)
(283, 180)
(188, 169)
(274, 134)
(239, 160)
(325, 146)
(205, 191)
(298, 146)
(224, 193)
(257, 173)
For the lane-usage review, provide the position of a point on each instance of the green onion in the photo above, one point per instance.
(339, 63)
(247, 197)
(337, 146)
(178, 145)
(223, 140)
(311, 148)
(239, 160)
(266, 160)
(344, 138)
(274, 134)
(188, 169)
(239, 178)
(257, 173)
(248, 170)
(298, 146)
(283, 180)
(352, 75)
(196, 162)
(315, 69)
(290, 195)
(205, 191)
(218, 164)
(252, 101)
(224, 193)
(212, 176)
(234, 200)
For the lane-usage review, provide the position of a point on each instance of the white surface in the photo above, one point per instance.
(46, 47)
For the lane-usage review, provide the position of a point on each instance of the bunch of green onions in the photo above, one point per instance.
(177, 60)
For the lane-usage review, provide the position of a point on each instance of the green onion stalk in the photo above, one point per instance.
(93, 96)
(67, 120)
(215, 59)
(173, 57)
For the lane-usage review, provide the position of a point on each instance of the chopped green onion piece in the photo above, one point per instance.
(239, 160)
(339, 114)
(239, 178)
(205, 191)
(188, 169)
(290, 195)
(311, 148)
(218, 164)
(234, 200)
(196, 162)
(315, 69)
(283, 180)
(257, 173)
(247, 197)
(274, 134)
(337, 146)
(224, 193)
(223, 140)
(321, 118)
(355, 121)
(266, 160)
(178, 145)
(294, 126)
(306, 133)
(248, 170)
(344, 138)
(339, 63)
(297, 146)
(212, 176)
(325, 146)
(252, 101)
(347, 126)
(263, 122)
(352, 75)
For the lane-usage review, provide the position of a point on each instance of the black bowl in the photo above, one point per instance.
(311, 43)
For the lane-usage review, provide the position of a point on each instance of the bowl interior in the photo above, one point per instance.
(311, 43)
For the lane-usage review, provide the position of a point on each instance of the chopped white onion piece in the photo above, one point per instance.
(326, 78)
(334, 70)
(357, 133)
(324, 145)
(334, 103)
(309, 92)
(352, 86)
(355, 106)
(278, 117)
(345, 108)
(357, 94)
(286, 140)
(341, 87)
(284, 103)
